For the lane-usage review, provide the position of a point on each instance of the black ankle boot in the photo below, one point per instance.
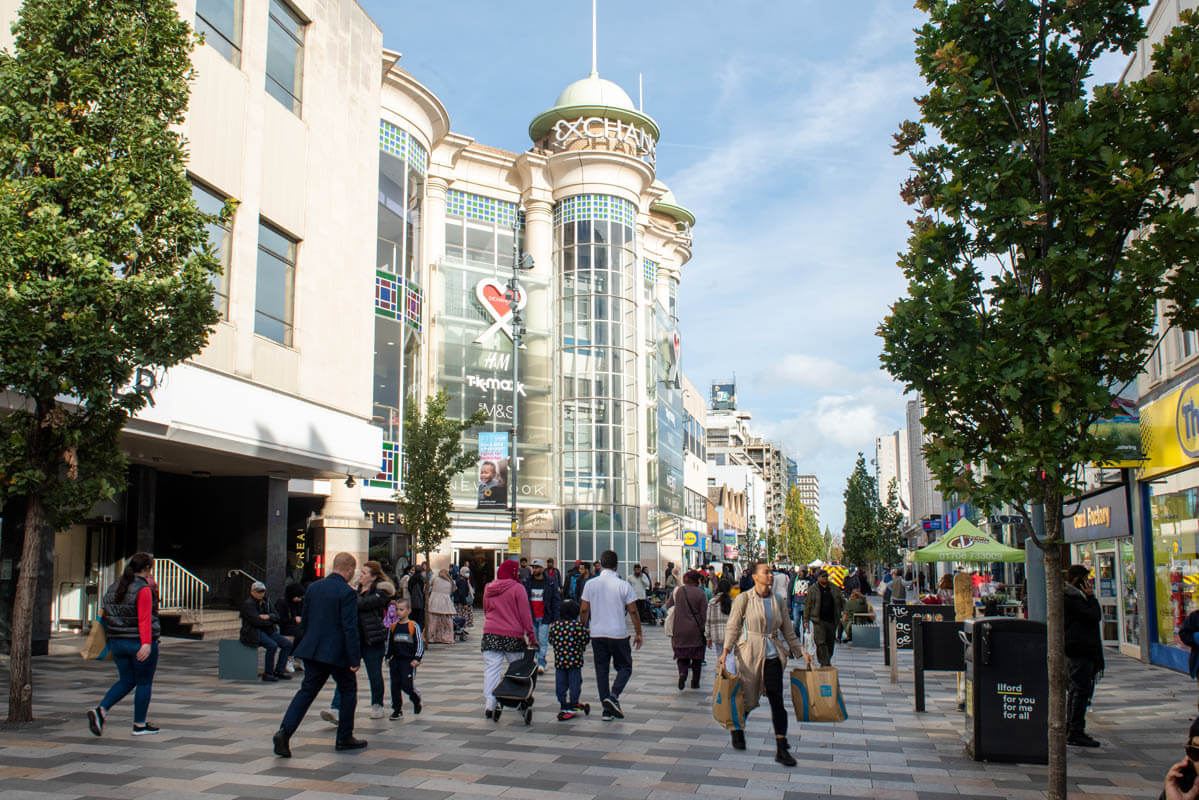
(738, 739)
(783, 753)
(682, 680)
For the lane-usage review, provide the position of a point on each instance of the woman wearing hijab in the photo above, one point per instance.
(463, 598)
(507, 627)
(441, 609)
(690, 605)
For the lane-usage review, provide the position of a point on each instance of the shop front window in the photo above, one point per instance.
(1131, 631)
(1173, 505)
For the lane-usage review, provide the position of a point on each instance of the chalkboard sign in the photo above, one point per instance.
(906, 615)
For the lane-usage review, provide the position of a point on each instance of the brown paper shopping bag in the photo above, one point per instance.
(96, 646)
(816, 695)
(728, 700)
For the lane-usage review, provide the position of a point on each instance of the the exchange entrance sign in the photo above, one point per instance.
(595, 131)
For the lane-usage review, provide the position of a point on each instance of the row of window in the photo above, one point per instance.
(221, 23)
(275, 281)
(694, 437)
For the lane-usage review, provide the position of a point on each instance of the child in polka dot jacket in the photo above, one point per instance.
(568, 637)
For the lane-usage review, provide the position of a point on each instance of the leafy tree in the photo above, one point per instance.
(890, 527)
(1050, 222)
(800, 536)
(105, 267)
(861, 530)
(828, 545)
(433, 457)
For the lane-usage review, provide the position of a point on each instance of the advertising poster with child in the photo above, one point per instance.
(493, 470)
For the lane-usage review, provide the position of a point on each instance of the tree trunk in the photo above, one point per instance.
(1056, 624)
(20, 679)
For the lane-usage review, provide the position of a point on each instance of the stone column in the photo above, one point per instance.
(345, 528)
(276, 535)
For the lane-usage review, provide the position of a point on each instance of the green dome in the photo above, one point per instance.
(592, 96)
(669, 206)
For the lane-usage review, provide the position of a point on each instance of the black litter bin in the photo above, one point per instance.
(1007, 690)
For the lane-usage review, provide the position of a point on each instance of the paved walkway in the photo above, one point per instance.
(215, 741)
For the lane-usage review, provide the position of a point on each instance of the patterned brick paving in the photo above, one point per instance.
(215, 741)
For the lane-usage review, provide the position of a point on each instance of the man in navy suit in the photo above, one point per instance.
(329, 646)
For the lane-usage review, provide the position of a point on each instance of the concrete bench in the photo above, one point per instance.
(236, 662)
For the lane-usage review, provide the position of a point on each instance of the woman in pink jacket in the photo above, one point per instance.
(507, 626)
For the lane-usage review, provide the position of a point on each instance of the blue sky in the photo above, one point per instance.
(776, 124)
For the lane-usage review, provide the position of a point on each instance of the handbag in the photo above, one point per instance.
(816, 695)
(668, 625)
(96, 646)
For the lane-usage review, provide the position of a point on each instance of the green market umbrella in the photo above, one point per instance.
(965, 542)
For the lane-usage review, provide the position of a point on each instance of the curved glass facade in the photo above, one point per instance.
(594, 253)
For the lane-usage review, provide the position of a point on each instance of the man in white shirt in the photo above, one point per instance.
(606, 599)
(641, 586)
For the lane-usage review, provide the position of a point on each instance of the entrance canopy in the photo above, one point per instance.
(965, 542)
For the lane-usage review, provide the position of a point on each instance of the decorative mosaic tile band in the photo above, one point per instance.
(397, 302)
(651, 270)
(485, 209)
(400, 143)
(594, 207)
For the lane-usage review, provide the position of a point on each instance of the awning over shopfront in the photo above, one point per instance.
(965, 542)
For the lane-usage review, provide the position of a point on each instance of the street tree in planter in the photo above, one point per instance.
(433, 457)
(1050, 224)
(861, 531)
(105, 267)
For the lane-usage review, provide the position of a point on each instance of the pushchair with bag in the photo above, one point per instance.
(515, 690)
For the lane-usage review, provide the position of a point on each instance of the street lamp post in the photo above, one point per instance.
(513, 296)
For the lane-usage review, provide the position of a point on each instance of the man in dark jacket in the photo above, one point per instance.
(575, 581)
(260, 628)
(545, 601)
(1084, 652)
(823, 609)
(330, 646)
(289, 608)
(416, 595)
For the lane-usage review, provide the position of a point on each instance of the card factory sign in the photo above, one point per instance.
(601, 129)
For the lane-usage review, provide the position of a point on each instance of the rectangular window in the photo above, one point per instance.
(1189, 343)
(274, 295)
(220, 22)
(220, 237)
(285, 56)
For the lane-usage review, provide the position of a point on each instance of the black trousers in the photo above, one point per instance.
(402, 682)
(315, 675)
(614, 652)
(772, 687)
(1080, 687)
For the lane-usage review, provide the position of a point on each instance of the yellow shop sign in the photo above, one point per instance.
(1170, 431)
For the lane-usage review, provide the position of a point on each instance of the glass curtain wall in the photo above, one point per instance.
(397, 293)
(594, 251)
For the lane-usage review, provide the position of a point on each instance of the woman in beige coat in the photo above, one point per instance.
(757, 618)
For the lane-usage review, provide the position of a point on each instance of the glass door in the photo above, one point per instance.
(1130, 632)
(1105, 590)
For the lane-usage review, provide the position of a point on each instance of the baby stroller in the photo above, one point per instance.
(515, 690)
(459, 628)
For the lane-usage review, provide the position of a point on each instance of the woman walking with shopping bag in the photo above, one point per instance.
(754, 651)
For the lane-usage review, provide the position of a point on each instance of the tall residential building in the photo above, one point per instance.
(922, 487)
(771, 464)
(809, 493)
(891, 464)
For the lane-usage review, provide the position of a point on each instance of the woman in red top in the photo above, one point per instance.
(130, 618)
(507, 625)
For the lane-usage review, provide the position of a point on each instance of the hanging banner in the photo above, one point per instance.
(493, 470)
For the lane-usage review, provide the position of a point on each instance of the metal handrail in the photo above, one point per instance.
(243, 573)
(178, 589)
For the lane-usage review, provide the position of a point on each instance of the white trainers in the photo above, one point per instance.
(290, 666)
(377, 712)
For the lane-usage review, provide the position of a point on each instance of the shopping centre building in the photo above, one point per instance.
(597, 391)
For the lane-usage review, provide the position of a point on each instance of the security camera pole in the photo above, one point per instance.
(513, 296)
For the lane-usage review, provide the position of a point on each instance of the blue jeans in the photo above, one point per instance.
(132, 674)
(569, 680)
(372, 659)
(542, 630)
(273, 642)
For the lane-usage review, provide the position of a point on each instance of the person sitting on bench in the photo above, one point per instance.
(259, 628)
